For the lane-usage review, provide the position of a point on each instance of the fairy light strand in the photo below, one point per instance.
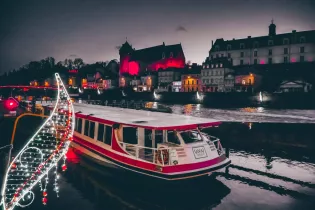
(40, 155)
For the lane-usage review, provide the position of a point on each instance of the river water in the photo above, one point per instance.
(273, 167)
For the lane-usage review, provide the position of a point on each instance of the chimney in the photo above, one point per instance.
(211, 43)
(233, 38)
(293, 31)
(249, 37)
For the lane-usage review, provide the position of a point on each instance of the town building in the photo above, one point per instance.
(247, 81)
(134, 62)
(109, 84)
(72, 78)
(167, 77)
(217, 75)
(148, 83)
(124, 81)
(176, 86)
(191, 80)
(270, 49)
(294, 86)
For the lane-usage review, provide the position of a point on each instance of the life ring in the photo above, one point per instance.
(162, 152)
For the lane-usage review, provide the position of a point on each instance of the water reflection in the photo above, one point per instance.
(105, 189)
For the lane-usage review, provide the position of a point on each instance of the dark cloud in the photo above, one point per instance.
(181, 28)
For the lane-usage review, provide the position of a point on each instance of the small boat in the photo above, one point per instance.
(161, 145)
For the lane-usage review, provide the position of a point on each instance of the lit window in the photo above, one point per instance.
(207, 66)
(243, 81)
(216, 65)
(221, 65)
(212, 66)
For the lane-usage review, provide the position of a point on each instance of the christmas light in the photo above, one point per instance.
(40, 154)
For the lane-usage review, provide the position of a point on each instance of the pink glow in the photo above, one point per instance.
(124, 64)
(262, 62)
(293, 60)
(133, 68)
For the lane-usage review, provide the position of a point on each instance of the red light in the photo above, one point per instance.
(11, 103)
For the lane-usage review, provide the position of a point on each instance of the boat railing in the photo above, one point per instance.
(217, 143)
(149, 154)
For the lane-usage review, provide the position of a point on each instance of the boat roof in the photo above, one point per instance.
(141, 118)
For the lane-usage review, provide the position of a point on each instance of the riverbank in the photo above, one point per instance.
(220, 100)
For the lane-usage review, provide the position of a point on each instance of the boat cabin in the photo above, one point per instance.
(159, 138)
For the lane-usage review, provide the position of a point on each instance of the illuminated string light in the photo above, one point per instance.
(40, 154)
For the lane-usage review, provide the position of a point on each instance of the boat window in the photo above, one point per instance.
(100, 133)
(190, 137)
(86, 128)
(148, 138)
(79, 125)
(108, 135)
(158, 137)
(172, 137)
(91, 132)
(130, 135)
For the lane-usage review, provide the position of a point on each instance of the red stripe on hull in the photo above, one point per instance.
(150, 166)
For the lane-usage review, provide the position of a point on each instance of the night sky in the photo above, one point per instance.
(92, 29)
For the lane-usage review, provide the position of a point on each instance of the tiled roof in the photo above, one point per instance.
(263, 41)
(155, 53)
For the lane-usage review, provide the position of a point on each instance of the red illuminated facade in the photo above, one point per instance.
(150, 59)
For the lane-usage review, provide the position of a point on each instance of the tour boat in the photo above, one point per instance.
(161, 145)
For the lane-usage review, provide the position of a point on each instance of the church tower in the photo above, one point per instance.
(125, 53)
(272, 29)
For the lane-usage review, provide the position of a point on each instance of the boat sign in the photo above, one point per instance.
(199, 152)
